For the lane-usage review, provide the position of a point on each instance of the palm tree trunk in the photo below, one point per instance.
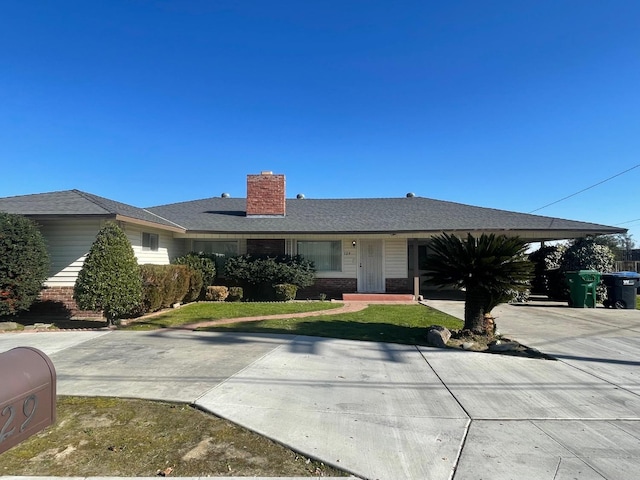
(474, 304)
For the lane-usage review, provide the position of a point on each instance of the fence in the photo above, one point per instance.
(627, 266)
(629, 255)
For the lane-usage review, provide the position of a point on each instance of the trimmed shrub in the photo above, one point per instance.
(24, 263)
(179, 276)
(235, 294)
(204, 263)
(217, 293)
(110, 277)
(285, 292)
(257, 275)
(152, 286)
(164, 285)
(195, 286)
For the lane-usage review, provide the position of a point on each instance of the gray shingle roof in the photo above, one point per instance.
(315, 216)
(76, 203)
(372, 215)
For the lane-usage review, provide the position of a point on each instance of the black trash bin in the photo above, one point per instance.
(621, 289)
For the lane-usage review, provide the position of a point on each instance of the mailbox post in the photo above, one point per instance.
(27, 395)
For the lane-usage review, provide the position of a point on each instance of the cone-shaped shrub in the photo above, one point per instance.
(110, 277)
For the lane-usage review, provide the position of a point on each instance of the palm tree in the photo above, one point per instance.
(488, 268)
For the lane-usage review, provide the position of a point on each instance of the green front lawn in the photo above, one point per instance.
(205, 311)
(380, 323)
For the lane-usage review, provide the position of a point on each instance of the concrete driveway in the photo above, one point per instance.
(603, 342)
(385, 411)
(601, 346)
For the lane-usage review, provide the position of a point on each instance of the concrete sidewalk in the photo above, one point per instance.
(387, 411)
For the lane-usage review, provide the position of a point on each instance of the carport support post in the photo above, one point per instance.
(416, 271)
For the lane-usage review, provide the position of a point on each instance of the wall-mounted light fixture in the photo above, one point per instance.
(353, 244)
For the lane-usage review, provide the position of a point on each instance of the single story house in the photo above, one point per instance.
(365, 245)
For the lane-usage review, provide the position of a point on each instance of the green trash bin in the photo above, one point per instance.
(582, 288)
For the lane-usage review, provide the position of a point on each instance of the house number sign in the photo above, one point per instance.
(28, 396)
(29, 406)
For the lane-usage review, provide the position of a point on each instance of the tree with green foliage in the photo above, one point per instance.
(617, 243)
(24, 263)
(110, 278)
(547, 277)
(488, 268)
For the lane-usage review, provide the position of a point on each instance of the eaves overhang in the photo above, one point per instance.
(106, 217)
(533, 235)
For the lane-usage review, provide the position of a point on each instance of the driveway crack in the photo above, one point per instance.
(467, 427)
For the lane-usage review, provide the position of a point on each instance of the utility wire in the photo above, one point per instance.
(629, 221)
(585, 189)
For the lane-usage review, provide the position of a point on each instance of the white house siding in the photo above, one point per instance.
(68, 242)
(395, 256)
(178, 247)
(167, 246)
(349, 260)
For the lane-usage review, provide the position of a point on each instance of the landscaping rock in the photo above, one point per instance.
(467, 345)
(504, 346)
(8, 326)
(438, 336)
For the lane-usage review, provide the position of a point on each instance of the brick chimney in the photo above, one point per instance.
(265, 195)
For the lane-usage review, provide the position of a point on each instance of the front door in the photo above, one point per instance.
(370, 275)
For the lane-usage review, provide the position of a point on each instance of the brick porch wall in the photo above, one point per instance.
(335, 287)
(331, 287)
(64, 296)
(398, 285)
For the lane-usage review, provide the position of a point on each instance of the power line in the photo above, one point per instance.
(585, 189)
(629, 221)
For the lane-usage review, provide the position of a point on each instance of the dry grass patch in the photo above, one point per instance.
(122, 437)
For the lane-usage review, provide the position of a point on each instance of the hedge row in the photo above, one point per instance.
(201, 262)
(164, 285)
(262, 277)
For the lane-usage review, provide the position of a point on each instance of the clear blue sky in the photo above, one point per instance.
(503, 104)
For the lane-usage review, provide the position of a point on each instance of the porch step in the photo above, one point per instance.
(377, 297)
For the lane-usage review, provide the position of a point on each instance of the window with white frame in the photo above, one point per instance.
(325, 255)
(150, 241)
